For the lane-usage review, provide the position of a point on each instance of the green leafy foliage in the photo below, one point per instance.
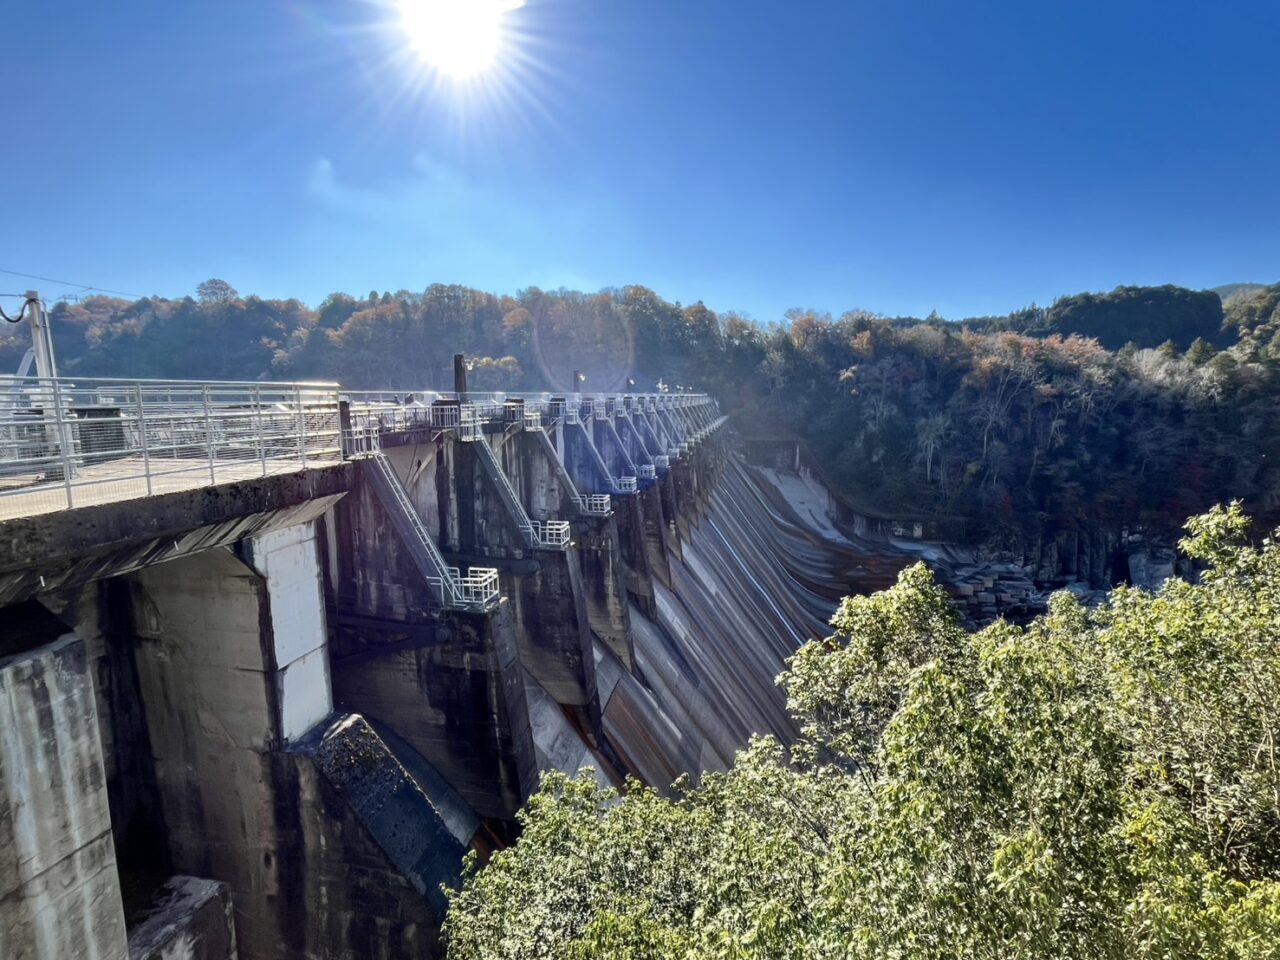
(1097, 784)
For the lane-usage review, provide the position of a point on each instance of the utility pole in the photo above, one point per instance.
(41, 338)
(50, 395)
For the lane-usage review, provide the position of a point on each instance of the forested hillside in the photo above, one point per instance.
(1003, 430)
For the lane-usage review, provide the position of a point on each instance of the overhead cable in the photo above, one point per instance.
(68, 283)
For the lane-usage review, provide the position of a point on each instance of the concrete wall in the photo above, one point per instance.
(191, 920)
(233, 665)
(208, 681)
(287, 559)
(101, 616)
(604, 586)
(59, 889)
(450, 685)
(452, 690)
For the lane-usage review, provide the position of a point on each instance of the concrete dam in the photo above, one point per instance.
(273, 657)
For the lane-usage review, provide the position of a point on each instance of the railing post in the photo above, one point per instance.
(208, 432)
(142, 440)
(302, 426)
(260, 431)
(339, 413)
(60, 423)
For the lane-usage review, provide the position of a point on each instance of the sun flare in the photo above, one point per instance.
(460, 38)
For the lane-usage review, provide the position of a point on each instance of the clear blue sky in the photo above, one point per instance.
(894, 155)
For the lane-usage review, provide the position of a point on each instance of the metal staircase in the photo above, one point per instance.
(539, 534)
(589, 504)
(476, 592)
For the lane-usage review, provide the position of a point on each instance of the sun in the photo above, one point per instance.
(460, 38)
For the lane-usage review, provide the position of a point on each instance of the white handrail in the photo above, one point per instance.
(68, 442)
(476, 591)
(544, 534)
(594, 504)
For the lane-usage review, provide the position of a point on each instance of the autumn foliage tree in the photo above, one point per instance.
(1004, 431)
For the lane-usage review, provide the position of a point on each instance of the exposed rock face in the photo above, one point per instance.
(1150, 567)
(985, 582)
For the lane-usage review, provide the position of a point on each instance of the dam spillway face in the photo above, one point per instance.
(270, 666)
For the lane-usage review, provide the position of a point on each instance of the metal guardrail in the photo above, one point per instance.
(662, 462)
(543, 534)
(403, 417)
(471, 427)
(477, 591)
(550, 533)
(68, 442)
(626, 484)
(647, 471)
(594, 504)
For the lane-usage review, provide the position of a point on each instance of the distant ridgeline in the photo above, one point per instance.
(1126, 410)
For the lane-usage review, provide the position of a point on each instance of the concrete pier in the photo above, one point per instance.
(59, 891)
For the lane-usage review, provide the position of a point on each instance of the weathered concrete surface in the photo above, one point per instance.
(637, 448)
(659, 536)
(335, 893)
(453, 690)
(59, 890)
(54, 550)
(449, 685)
(550, 624)
(192, 919)
(604, 586)
(628, 514)
(549, 488)
(287, 820)
(560, 743)
(548, 602)
(203, 639)
(612, 449)
(382, 794)
(582, 460)
(100, 613)
(287, 559)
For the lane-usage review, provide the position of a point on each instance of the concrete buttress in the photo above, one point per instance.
(59, 887)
